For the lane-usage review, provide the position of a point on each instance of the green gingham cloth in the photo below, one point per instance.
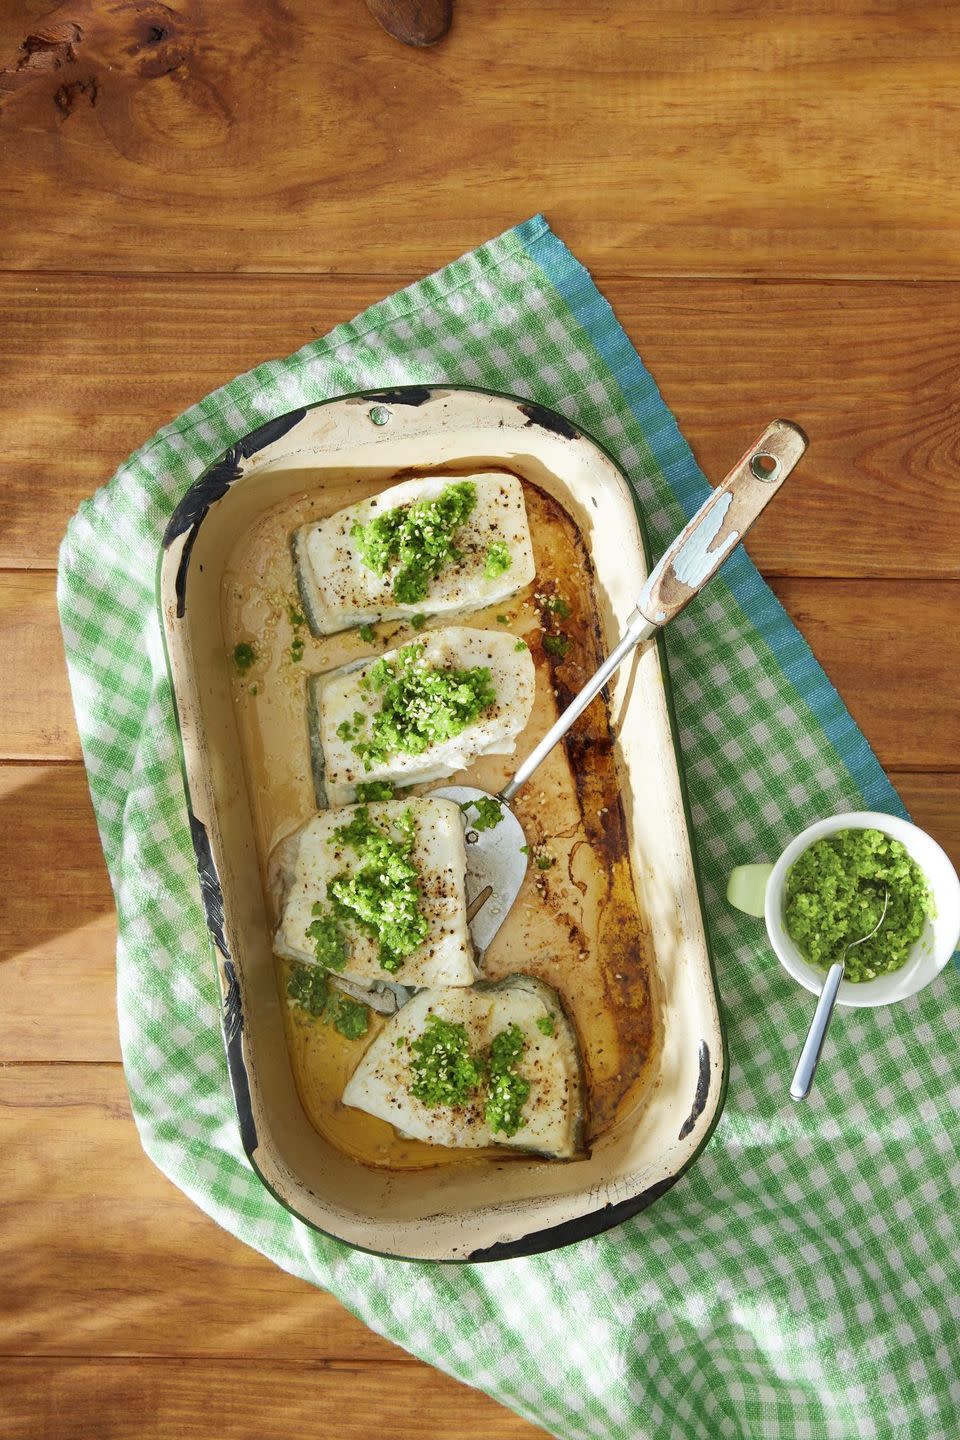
(800, 1280)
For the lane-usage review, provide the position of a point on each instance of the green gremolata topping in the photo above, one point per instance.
(835, 895)
(487, 812)
(416, 540)
(309, 989)
(507, 1089)
(329, 941)
(383, 895)
(372, 790)
(443, 1070)
(421, 704)
(498, 560)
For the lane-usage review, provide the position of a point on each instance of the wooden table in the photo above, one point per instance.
(767, 193)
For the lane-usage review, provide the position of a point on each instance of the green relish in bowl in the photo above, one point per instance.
(834, 895)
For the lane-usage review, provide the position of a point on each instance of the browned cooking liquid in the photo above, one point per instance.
(575, 923)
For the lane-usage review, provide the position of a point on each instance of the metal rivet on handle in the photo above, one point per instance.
(379, 414)
(764, 466)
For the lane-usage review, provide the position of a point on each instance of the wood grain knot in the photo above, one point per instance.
(69, 95)
(129, 41)
(50, 48)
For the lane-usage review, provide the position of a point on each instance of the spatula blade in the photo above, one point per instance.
(496, 862)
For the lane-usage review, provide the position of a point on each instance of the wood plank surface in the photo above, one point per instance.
(125, 1253)
(178, 1399)
(726, 137)
(888, 647)
(893, 652)
(871, 371)
(57, 921)
(36, 712)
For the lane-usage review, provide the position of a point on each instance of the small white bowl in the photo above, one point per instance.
(940, 937)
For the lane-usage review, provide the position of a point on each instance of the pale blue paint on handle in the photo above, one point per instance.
(696, 560)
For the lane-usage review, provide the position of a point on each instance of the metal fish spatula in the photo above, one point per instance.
(496, 857)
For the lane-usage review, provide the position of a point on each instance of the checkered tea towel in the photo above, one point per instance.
(801, 1280)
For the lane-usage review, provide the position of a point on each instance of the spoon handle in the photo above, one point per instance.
(688, 563)
(810, 1054)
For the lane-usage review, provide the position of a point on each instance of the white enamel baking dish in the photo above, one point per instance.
(441, 1214)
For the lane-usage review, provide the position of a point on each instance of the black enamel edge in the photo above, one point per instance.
(210, 891)
(231, 1013)
(703, 1090)
(584, 1227)
(401, 395)
(270, 432)
(211, 487)
(213, 484)
(232, 1016)
(550, 420)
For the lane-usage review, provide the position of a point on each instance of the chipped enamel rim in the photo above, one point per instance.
(490, 1232)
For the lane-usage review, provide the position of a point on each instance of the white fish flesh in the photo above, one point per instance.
(308, 861)
(340, 696)
(552, 1115)
(339, 590)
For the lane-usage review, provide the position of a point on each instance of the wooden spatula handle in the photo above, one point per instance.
(721, 522)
